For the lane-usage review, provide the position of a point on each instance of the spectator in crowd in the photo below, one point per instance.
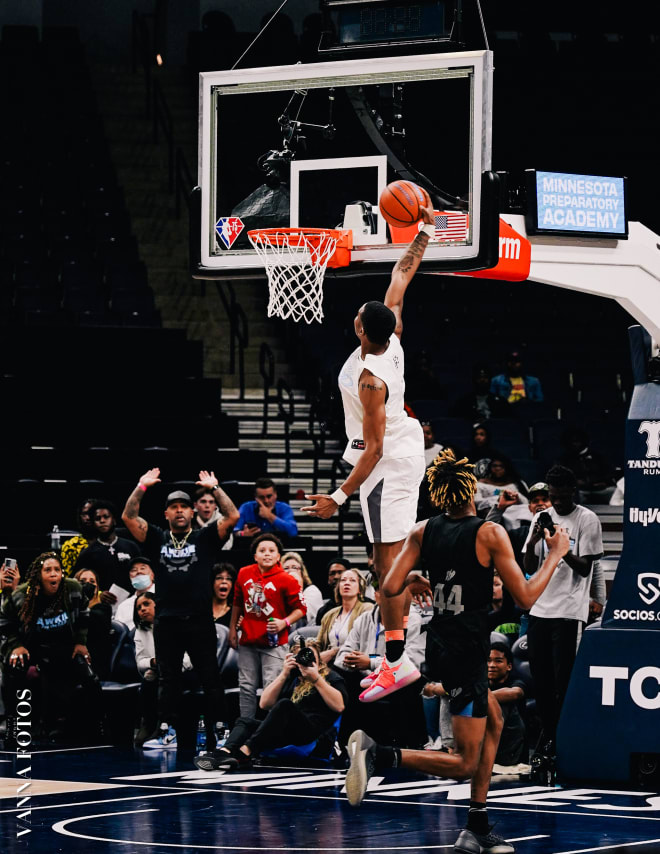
(100, 623)
(144, 612)
(516, 515)
(501, 478)
(510, 694)
(141, 575)
(303, 703)
(310, 594)
(338, 622)
(503, 614)
(514, 512)
(183, 560)
(480, 404)
(481, 450)
(71, 548)
(109, 556)
(335, 568)
(431, 447)
(593, 471)
(560, 613)
(207, 512)
(401, 715)
(268, 600)
(9, 579)
(265, 514)
(45, 621)
(224, 576)
(514, 385)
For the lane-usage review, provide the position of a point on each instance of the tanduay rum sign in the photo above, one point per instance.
(610, 723)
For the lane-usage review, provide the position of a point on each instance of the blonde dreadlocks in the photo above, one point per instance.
(33, 578)
(451, 482)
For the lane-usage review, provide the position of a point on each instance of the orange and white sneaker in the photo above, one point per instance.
(390, 678)
(369, 678)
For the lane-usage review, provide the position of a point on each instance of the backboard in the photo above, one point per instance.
(314, 145)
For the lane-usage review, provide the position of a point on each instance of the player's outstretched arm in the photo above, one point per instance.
(404, 270)
(373, 394)
(493, 544)
(401, 573)
(131, 515)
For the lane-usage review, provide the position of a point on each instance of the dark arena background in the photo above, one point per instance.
(117, 356)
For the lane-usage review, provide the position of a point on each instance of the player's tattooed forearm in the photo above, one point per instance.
(415, 250)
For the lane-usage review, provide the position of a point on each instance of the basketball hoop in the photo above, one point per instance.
(296, 260)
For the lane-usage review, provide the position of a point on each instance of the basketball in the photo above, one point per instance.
(401, 202)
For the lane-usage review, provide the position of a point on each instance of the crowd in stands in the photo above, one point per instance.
(181, 603)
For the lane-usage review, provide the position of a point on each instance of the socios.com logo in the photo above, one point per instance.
(649, 587)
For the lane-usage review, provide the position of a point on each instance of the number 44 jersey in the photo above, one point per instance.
(462, 587)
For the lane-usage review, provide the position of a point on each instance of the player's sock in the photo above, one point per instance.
(405, 630)
(394, 645)
(477, 820)
(387, 757)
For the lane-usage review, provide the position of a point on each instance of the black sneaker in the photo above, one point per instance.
(362, 756)
(469, 842)
(221, 760)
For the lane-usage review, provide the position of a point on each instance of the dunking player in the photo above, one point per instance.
(386, 448)
(460, 551)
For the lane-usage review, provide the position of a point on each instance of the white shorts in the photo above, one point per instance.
(389, 498)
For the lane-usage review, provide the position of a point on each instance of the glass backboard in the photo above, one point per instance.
(314, 145)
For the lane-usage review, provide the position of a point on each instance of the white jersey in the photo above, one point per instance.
(403, 435)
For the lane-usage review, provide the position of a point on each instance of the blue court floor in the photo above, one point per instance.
(106, 799)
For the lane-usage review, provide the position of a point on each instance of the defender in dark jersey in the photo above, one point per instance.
(459, 551)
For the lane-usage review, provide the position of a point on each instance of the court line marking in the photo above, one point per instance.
(56, 750)
(114, 800)
(61, 828)
(608, 847)
(236, 791)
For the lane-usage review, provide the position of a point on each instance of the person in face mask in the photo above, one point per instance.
(141, 576)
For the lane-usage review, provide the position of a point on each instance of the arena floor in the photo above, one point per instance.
(108, 799)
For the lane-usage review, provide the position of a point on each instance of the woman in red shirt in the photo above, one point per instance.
(268, 600)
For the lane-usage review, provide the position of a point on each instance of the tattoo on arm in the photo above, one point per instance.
(225, 504)
(415, 250)
(370, 387)
(132, 509)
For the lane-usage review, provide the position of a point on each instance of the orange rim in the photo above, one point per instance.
(344, 236)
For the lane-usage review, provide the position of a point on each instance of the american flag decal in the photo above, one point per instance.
(451, 225)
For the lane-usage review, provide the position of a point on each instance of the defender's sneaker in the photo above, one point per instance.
(362, 754)
(390, 678)
(469, 842)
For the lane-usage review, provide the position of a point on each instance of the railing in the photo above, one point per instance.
(286, 410)
(318, 441)
(238, 332)
(338, 473)
(267, 371)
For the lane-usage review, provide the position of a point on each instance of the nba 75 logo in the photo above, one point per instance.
(228, 228)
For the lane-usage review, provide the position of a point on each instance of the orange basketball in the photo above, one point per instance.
(400, 203)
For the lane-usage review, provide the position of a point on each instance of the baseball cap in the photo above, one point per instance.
(139, 559)
(539, 487)
(179, 495)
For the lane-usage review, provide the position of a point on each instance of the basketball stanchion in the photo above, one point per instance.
(295, 260)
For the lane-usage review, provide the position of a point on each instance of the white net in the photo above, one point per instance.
(295, 264)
